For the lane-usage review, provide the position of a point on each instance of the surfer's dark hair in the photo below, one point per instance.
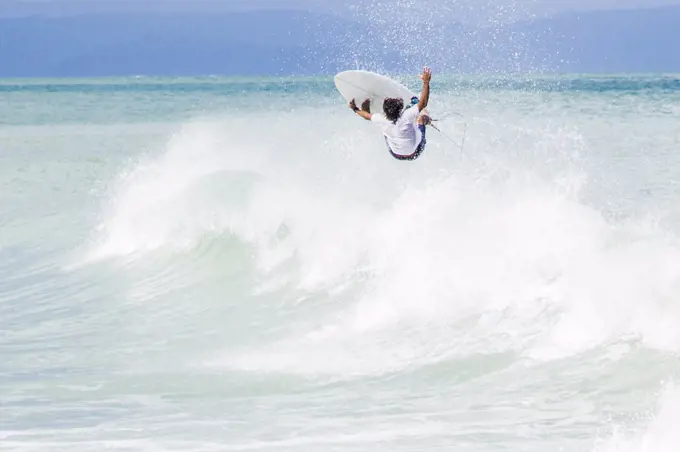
(393, 108)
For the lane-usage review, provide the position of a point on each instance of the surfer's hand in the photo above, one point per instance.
(353, 105)
(426, 75)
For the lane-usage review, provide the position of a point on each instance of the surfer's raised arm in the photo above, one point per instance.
(425, 94)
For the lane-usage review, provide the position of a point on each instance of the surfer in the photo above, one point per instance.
(403, 129)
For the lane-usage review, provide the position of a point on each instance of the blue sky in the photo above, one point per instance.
(453, 6)
(462, 36)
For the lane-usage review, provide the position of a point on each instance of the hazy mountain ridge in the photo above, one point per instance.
(294, 42)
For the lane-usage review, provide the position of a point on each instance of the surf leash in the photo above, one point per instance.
(459, 146)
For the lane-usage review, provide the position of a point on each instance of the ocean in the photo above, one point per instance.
(238, 264)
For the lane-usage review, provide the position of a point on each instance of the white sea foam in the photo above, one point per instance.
(275, 280)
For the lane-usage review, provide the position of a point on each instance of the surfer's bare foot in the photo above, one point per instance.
(366, 105)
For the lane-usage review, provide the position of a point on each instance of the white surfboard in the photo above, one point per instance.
(361, 85)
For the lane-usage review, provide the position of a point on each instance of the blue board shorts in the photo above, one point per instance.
(419, 150)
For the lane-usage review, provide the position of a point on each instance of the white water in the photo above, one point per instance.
(246, 284)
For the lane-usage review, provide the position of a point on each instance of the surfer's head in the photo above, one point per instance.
(393, 108)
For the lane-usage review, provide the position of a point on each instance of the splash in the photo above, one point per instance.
(451, 36)
(499, 255)
(658, 435)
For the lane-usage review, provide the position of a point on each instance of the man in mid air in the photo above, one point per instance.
(404, 130)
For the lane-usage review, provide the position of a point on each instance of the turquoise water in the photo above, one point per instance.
(232, 264)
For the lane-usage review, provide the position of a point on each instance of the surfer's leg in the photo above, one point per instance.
(423, 140)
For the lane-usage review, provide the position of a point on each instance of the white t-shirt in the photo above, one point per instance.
(404, 136)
